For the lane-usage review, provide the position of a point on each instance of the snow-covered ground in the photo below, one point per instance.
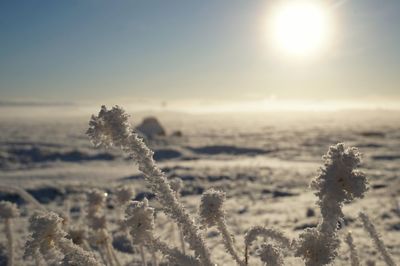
(264, 163)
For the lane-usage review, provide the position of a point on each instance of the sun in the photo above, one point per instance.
(300, 28)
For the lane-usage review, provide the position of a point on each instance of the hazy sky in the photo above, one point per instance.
(89, 50)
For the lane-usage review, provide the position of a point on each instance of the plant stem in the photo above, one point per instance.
(8, 229)
(182, 240)
(114, 256)
(153, 258)
(144, 263)
(228, 241)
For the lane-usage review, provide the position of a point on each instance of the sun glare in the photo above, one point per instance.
(300, 28)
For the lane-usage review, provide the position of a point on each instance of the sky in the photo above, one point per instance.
(215, 51)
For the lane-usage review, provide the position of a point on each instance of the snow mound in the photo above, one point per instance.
(151, 127)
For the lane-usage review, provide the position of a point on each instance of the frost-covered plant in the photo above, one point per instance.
(316, 247)
(176, 185)
(9, 211)
(355, 261)
(49, 239)
(98, 223)
(270, 255)
(96, 200)
(267, 233)
(338, 182)
(211, 209)
(212, 213)
(111, 128)
(124, 194)
(380, 246)
(140, 221)
(78, 236)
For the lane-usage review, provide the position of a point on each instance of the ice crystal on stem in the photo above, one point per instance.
(111, 128)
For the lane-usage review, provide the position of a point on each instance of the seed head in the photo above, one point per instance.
(140, 221)
(8, 210)
(46, 229)
(109, 128)
(317, 248)
(338, 178)
(124, 194)
(270, 255)
(96, 197)
(211, 207)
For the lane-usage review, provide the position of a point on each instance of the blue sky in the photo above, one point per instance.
(91, 50)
